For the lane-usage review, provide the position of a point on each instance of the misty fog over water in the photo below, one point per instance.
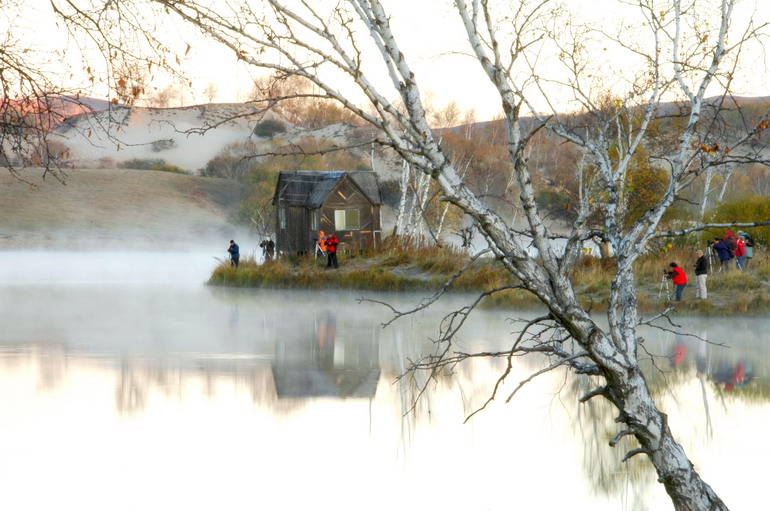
(126, 383)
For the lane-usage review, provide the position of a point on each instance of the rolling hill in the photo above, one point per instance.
(108, 208)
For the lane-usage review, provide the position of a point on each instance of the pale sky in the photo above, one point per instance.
(430, 35)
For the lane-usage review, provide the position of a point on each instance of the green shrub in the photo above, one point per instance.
(556, 202)
(754, 208)
(269, 128)
(151, 164)
(169, 168)
(142, 163)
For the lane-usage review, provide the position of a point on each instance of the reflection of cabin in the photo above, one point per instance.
(334, 361)
(345, 203)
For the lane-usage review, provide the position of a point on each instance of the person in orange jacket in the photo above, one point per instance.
(678, 276)
(321, 243)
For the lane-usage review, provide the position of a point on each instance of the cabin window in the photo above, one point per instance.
(315, 220)
(347, 220)
(282, 218)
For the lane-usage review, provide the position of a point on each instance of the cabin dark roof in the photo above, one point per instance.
(310, 188)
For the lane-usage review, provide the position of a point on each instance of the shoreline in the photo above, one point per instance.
(731, 293)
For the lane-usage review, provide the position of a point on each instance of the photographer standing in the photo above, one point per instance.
(701, 273)
(268, 248)
(331, 250)
(749, 243)
(720, 247)
(234, 252)
(678, 276)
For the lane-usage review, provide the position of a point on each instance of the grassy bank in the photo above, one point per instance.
(428, 269)
(733, 292)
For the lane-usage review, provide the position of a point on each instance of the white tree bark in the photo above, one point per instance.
(725, 182)
(418, 211)
(708, 176)
(404, 188)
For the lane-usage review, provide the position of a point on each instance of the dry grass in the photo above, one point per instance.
(306, 273)
(593, 276)
(128, 207)
(391, 268)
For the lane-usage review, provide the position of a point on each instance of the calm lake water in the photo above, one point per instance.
(127, 384)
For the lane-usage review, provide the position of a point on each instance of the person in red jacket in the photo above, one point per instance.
(678, 276)
(740, 253)
(331, 250)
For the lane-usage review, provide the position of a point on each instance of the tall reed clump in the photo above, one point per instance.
(650, 266)
(483, 275)
(593, 276)
(445, 259)
(270, 274)
(760, 263)
(734, 280)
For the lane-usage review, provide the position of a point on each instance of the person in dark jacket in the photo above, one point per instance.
(678, 276)
(331, 250)
(720, 247)
(234, 252)
(268, 248)
(729, 240)
(701, 273)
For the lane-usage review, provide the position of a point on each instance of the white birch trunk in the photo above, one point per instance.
(441, 221)
(725, 182)
(419, 217)
(404, 188)
(707, 178)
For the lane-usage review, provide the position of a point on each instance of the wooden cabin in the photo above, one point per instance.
(344, 203)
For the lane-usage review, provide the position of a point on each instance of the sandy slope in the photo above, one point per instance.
(100, 208)
(187, 137)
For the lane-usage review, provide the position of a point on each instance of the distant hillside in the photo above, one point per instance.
(123, 208)
(187, 137)
(756, 105)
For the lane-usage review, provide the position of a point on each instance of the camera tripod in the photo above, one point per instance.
(713, 259)
(664, 283)
(318, 251)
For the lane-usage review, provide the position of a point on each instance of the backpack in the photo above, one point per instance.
(730, 247)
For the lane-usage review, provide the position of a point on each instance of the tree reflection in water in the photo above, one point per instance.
(722, 373)
(319, 358)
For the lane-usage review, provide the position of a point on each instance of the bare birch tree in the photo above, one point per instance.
(677, 51)
(32, 101)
